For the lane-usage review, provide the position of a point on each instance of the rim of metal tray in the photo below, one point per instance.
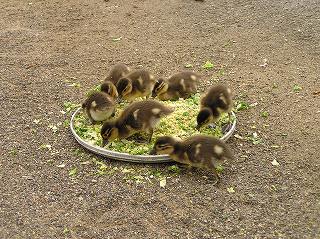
(129, 157)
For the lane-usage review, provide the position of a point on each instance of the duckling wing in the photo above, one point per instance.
(138, 84)
(201, 151)
(105, 103)
(133, 121)
(181, 86)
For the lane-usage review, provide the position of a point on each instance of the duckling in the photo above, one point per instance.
(109, 88)
(213, 103)
(117, 71)
(136, 84)
(180, 85)
(99, 106)
(141, 116)
(197, 151)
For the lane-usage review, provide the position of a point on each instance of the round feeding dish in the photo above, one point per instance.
(129, 157)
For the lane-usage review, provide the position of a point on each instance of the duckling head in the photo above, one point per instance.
(124, 87)
(160, 87)
(163, 145)
(205, 116)
(109, 88)
(109, 132)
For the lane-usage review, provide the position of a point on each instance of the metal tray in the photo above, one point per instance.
(129, 157)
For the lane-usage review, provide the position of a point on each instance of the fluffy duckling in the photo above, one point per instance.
(109, 88)
(117, 71)
(99, 106)
(136, 84)
(213, 103)
(197, 151)
(141, 116)
(180, 85)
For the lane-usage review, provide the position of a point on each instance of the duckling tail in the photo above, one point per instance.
(169, 110)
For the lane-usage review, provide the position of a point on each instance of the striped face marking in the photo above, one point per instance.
(151, 77)
(229, 91)
(193, 77)
(140, 80)
(183, 84)
(111, 134)
(164, 149)
(135, 114)
(94, 104)
(223, 98)
(128, 89)
(162, 88)
(198, 146)
(156, 111)
(218, 149)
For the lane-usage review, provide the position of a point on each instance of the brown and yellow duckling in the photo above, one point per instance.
(138, 83)
(141, 116)
(196, 151)
(180, 85)
(117, 71)
(99, 106)
(215, 101)
(109, 88)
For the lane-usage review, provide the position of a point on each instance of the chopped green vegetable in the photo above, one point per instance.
(242, 105)
(73, 172)
(254, 138)
(93, 90)
(297, 88)
(75, 84)
(221, 72)
(188, 66)
(220, 168)
(13, 152)
(208, 65)
(116, 39)
(69, 106)
(174, 169)
(163, 182)
(264, 114)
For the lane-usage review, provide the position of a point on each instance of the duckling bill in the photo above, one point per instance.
(142, 116)
(215, 101)
(180, 85)
(99, 106)
(136, 84)
(197, 151)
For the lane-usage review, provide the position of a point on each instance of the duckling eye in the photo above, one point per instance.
(159, 88)
(126, 89)
(162, 146)
(106, 134)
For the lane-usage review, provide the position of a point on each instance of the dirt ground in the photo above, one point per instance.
(262, 49)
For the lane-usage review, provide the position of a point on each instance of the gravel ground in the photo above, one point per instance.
(261, 49)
